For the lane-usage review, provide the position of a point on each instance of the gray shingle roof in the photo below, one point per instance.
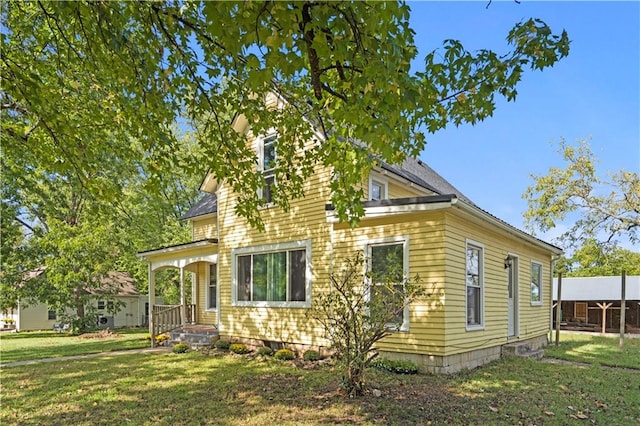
(206, 205)
(412, 170)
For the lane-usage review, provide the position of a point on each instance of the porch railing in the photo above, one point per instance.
(169, 317)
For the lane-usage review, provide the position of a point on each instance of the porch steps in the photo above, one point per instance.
(195, 335)
(522, 350)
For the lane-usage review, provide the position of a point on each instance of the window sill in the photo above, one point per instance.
(286, 305)
(537, 304)
(211, 310)
(479, 327)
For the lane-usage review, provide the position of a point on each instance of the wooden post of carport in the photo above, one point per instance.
(558, 308)
(623, 306)
(604, 306)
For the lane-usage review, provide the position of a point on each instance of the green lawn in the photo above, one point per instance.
(201, 389)
(596, 349)
(48, 344)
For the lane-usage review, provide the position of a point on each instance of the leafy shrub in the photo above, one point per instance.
(239, 348)
(223, 345)
(265, 351)
(161, 338)
(398, 366)
(311, 355)
(180, 348)
(284, 354)
(148, 337)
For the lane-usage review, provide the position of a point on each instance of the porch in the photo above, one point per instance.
(184, 320)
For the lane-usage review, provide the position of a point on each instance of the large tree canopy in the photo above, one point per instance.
(607, 208)
(82, 78)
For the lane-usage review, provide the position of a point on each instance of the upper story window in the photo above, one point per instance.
(268, 165)
(536, 283)
(377, 188)
(474, 284)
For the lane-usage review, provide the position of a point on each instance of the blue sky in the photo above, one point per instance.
(593, 93)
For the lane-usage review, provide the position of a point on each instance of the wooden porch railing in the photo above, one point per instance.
(169, 317)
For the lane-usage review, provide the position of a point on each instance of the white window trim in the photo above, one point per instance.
(207, 280)
(538, 302)
(270, 248)
(474, 327)
(259, 147)
(382, 181)
(404, 239)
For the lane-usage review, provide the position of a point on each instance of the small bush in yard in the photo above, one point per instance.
(284, 354)
(180, 348)
(223, 345)
(398, 366)
(161, 338)
(265, 351)
(311, 355)
(239, 348)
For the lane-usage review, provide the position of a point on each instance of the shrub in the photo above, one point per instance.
(398, 366)
(311, 355)
(239, 348)
(284, 354)
(223, 345)
(265, 351)
(180, 348)
(161, 338)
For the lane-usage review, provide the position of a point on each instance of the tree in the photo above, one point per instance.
(607, 209)
(358, 311)
(82, 78)
(594, 259)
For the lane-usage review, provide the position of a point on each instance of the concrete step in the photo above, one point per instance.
(516, 349)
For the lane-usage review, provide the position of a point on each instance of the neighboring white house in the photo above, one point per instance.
(133, 311)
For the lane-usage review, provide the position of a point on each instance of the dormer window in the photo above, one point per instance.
(268, 166)
(377, 189)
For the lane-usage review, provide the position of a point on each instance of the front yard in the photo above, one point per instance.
(49, 344)
(226, 389)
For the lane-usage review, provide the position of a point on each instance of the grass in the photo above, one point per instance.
(194, 388)
(49, 344)
(596, 349)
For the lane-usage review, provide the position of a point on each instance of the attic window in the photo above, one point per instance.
(268, 166)
(377, 189)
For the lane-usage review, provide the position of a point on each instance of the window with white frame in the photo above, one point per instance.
(274, 275)
(212, 287)
(377, 189)
(388, 269)
(536, 283)
(268, 166)
(474, 284)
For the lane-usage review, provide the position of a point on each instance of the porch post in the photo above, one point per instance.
(152, 300)
(183, 302)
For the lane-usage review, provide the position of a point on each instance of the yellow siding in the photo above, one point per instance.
(403, 191)
(533, 320)
(426, 258)
(203, 316)
(305, 220)
(204, 228)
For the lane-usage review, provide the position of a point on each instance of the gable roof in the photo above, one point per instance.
(112, 283)
(412, 169)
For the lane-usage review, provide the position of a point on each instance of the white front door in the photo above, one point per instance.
(512, 295)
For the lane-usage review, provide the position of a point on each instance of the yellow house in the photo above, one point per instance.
(490, 282)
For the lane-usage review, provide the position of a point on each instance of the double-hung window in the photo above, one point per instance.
(474, 284)
(387, 271)
(536, 283)
(273, 275)
(212, 287)
(268, 166)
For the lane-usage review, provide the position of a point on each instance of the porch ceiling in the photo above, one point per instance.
(182, 255)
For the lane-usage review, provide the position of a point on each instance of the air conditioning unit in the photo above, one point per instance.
(105, 321)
